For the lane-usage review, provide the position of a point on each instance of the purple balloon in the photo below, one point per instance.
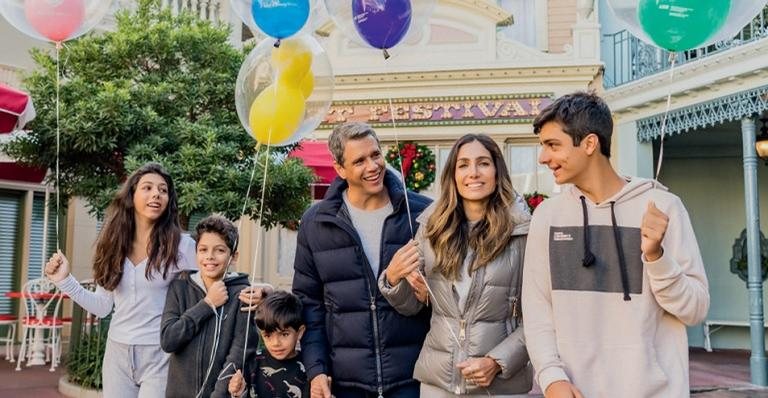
(382, 23)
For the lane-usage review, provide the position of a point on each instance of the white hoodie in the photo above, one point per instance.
(579, 325)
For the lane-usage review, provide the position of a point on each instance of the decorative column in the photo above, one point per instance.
(586, 31)
(757, 361)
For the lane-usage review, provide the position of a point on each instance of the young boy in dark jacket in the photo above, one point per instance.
(278, 372)
(202, 326)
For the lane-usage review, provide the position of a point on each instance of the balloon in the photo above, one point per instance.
(276, 113)
(270, 78)
(54, 20)
(382, 23)
(679, 25)
(307, 85)
(292, 59)
(280, 18)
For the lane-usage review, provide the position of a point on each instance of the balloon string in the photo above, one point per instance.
(672, 60)
(397, 145)
(259, 236)
(247, 196)
(58, 149)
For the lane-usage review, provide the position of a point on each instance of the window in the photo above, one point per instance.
(10, 213)
(36, 256)
(525, 171)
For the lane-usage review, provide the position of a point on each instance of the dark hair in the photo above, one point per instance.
(221, 226)
(116, 237)
(279, 311)
(580, 114)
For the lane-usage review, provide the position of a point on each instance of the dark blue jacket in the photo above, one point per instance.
(353, 334)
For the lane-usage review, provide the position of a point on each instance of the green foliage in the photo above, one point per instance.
(161, 88)
(84, 361)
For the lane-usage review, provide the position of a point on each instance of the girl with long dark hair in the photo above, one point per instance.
(139, 251)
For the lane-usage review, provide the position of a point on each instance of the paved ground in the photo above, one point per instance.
(719, 374)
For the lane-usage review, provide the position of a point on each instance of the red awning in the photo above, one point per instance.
(316, 156)
(16, 109)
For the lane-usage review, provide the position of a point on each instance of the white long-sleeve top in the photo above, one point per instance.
(138, 301)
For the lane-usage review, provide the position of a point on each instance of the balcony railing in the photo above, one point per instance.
(632, 59)
(211, 10)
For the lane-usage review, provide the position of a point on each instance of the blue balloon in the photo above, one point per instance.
(280, 18)
(382, 23)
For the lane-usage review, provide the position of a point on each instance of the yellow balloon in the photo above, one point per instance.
(276, 113)
(292, 60)
(306, 86)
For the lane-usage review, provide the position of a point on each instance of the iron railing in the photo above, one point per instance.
(632, 59)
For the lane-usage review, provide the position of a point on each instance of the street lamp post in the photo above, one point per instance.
(757, 360)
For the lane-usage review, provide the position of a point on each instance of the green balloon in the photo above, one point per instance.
(678, 25)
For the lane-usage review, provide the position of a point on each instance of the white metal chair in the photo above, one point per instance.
(9, 321)
(42, 300)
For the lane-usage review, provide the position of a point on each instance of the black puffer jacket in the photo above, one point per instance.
(353, 334)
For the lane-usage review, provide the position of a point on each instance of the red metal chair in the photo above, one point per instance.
(42, 301)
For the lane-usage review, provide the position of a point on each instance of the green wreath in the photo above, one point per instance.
(418, 164)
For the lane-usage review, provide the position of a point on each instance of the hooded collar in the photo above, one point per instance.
(229, 277)
(635, 186)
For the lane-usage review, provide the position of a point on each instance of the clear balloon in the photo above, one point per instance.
(283, 93)
(678, 25)
(373, 23)
(54, 20)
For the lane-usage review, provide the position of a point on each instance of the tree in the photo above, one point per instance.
(160, 87)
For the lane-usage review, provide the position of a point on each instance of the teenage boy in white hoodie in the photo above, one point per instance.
(612, 272)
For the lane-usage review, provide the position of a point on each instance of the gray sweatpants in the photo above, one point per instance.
(131, 371)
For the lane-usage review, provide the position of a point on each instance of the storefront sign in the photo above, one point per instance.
(440, 111)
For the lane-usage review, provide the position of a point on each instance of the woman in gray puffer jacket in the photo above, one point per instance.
(472, 242)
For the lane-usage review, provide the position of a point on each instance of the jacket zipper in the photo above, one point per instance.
(377, 347)
(372, 295)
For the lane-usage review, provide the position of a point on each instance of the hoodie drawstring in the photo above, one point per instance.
(620, 250)
(588, 258)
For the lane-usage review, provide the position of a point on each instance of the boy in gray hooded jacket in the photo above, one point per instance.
(202, 326)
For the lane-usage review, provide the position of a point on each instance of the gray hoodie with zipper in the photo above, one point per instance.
(188, 332)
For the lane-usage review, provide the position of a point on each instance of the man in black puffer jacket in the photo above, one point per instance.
(354, 337)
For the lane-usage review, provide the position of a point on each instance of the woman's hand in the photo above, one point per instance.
(416, 280)
(405, 261)
(57, 267)
(479, 371)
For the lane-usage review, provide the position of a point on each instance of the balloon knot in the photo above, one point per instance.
(277, 43)
(386, 54)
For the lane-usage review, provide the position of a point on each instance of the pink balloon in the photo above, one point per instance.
(57, 20)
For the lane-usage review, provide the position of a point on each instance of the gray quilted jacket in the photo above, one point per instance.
(490, 324)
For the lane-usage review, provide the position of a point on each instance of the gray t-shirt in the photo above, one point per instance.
(369, 224)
